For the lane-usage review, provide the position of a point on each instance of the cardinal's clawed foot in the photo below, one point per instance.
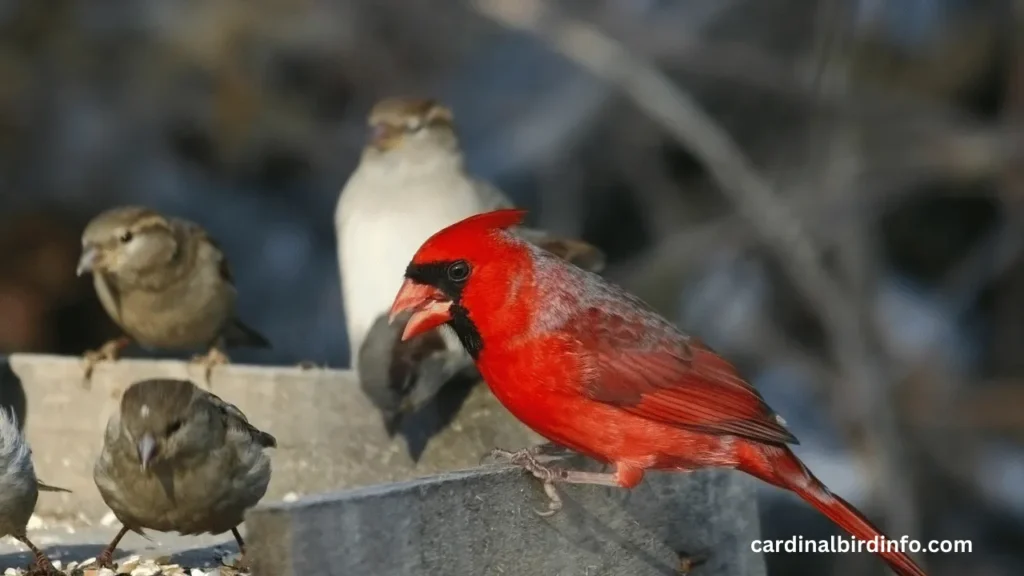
(527, 460)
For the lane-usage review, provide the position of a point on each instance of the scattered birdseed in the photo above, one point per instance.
(137, 566)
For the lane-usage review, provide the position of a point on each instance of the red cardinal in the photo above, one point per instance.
(592, 368)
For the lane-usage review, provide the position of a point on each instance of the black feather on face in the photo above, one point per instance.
(450, 278)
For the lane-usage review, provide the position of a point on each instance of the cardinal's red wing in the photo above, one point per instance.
(651, 370)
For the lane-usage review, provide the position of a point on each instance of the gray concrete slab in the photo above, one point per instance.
(481, 522)
(332, 446)
(329, 435)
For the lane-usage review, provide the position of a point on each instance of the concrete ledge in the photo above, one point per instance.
(481, 522)
(329, 435)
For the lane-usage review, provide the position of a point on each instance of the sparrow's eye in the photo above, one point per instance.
(174, 427)
(458, 271)
(125, 237)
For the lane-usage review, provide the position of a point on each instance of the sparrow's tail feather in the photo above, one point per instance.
(238, 335)
(577, 252)
(779, 466)
(48, 488)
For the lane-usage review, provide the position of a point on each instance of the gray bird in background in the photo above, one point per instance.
(410, 183)
(177, 458)
(19, 489)
(166, 283)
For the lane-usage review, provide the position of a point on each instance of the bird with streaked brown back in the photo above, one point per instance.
(166, 283)
(177, 458)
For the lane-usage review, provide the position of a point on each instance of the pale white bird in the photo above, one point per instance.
(411, 182)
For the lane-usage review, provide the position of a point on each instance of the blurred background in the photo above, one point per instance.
(828, 192)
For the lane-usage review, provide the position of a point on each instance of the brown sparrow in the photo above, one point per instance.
(166, 283)
(178, 458)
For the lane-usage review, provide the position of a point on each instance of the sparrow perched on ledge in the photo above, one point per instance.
(411, 182)
(166, 283)
(178, 458)
(19, 489)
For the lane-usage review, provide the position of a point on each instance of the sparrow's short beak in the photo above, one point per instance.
(86, 261)
(147, 448)
(431, 308)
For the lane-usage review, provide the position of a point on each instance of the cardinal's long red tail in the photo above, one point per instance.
(779, 466)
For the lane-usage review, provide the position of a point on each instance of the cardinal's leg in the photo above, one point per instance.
(625, 476)
(215, 357)
(110, 351)
(106, 558)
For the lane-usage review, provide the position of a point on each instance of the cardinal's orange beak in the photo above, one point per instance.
(431, 308)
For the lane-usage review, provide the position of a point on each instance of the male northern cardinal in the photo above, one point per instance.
(411, 181)
(593, 368)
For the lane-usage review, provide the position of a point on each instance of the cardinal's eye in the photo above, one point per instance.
(174, 427)
(126, 237)
(458, 271)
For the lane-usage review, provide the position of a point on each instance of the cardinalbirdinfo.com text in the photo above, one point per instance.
(843, 544)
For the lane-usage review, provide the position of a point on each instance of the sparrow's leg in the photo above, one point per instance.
(527, 460)
(215, 357)
(238, 538)
(41, 565)
(106, 558)
(110, 351)
(243, 561)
